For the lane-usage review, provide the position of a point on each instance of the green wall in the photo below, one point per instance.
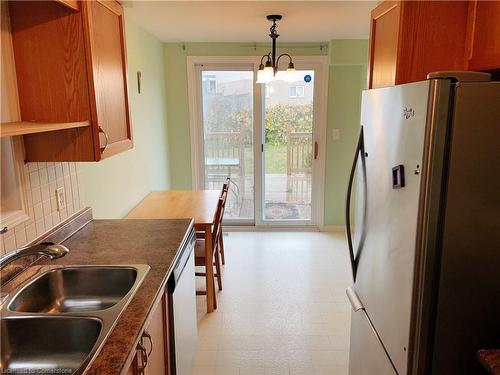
(177, 93)
(114, 186)
(347, 73)
(161, 158)
(347, 79)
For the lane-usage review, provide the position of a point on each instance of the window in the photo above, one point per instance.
(209, 84)
(296, 92)
(227, 139)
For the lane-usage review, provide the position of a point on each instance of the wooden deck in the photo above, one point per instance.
(286, 198)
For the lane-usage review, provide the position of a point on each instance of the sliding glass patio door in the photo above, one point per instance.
(266, 138)
(227, 98)
(288, 149)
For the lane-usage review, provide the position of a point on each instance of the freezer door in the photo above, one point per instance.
(394, 121)
(468, 307)
(367, 356)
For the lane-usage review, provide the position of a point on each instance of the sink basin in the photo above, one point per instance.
(46, 343)
(59, 321)
(75, 289)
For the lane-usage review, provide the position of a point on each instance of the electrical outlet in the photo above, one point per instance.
(336, 134)
(61, 198)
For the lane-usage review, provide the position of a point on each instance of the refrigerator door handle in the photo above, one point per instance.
(354, 299)
(360, 151)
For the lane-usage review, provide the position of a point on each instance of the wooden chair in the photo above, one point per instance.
(225, 188)
(199, 248)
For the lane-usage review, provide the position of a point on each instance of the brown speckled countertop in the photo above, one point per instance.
(114, 242)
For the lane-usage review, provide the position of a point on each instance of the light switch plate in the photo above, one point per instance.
(61, 198)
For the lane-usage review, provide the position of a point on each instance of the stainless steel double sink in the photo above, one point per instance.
(61, 318)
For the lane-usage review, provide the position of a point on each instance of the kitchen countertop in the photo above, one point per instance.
(115, 242)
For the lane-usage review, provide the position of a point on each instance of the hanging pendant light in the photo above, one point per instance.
(265, 73)
(268, 71)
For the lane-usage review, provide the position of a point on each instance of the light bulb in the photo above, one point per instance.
(291, 77)
(265, 75)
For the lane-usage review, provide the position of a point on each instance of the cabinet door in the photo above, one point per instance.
(133, 369)
(484, 35)
(50, 68)
(105, 45)
(157, 329)
(432, 38)
(384, 38)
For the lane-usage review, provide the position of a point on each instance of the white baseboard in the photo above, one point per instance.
(280, 228)
(269, 228)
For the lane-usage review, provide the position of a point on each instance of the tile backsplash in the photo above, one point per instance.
(41, 182)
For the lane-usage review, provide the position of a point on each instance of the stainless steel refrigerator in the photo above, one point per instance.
(425, 253)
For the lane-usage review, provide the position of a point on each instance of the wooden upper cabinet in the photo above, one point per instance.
(107, 71)
(49, 55)
(384, 40)
(71, 67)
(484, 35)
(409, 39)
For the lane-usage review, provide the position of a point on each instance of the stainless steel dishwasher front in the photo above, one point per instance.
(182, 310)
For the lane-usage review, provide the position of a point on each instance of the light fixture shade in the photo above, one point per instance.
(270, 71)
(289, 75)
(265, 75)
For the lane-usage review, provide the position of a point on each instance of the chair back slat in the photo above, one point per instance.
(225, 186)
(219, 214)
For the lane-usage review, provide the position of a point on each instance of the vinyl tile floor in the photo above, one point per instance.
(282, 310)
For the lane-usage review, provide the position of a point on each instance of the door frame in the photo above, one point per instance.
(317, 63)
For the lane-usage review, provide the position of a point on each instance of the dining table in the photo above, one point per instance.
(201, 206)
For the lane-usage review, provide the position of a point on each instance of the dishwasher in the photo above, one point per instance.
(182, 309)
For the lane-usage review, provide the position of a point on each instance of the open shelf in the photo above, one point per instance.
(8, 129)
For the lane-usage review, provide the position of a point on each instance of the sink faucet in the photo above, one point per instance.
(49, 249)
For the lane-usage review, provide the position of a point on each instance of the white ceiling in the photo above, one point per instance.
(245, 21)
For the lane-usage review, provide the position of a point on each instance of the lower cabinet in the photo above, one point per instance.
(133, 369)
(152, 354)
(156, 336)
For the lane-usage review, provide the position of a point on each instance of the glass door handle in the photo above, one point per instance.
(316, 150)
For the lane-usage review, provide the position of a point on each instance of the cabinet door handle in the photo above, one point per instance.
(148, 336)
(144, 357)
(101, 130)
